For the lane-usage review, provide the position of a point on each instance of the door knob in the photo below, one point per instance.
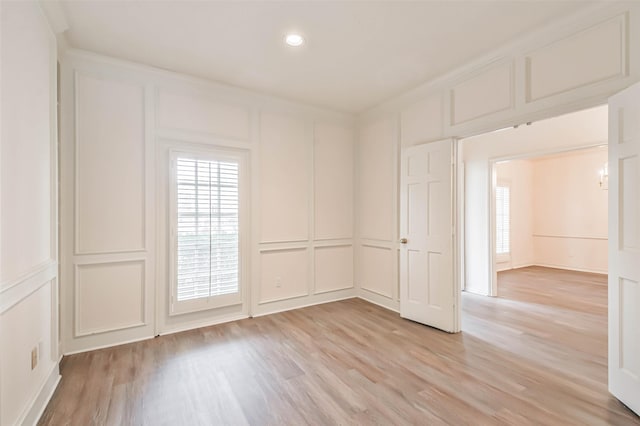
(403, 241)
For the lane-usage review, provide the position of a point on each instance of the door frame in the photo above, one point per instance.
(460, 278)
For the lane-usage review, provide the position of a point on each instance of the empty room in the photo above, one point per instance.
(319, 212)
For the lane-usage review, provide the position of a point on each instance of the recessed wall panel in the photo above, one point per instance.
(488, 92)
(377, 271)
(596, 54)
(109, 296)
(284, 179)
(284, 274)
(333, 168)
(376, 180)
(422, 121)
(26, 148)
(201, 114)
(333, 268)
(109, 167)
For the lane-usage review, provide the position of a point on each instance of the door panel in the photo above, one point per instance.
(624, 247)
(427, 287)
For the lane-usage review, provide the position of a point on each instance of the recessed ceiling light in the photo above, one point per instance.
(294, 40)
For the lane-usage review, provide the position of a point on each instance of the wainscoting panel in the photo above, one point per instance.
(197, 113)
(333, 268)
(109, 296)
(377, 273)
(596, 54)
(284, 274)
(487, 92)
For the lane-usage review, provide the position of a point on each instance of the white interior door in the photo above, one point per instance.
(624, 247)
(427, 286)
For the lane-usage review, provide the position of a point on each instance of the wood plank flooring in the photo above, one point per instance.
(535, 355)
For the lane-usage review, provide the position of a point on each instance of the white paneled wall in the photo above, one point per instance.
(565, 67)
(377, 253)
(333, 158)
(285, 155)
(121, 122)
(107, 219)
(28, 231)
(110, 208)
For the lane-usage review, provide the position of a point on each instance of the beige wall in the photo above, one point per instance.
(518, 175)
(28, 232)
(558, 211)
(570, 214)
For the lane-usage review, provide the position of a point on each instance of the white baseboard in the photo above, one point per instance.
(510, 267)
(321, 302)
(376, 299)
(569, 268)
(110, 345)
(42, 398)
(204, 323)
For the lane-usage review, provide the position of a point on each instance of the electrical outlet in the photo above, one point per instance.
(34, 357)
(278, 282)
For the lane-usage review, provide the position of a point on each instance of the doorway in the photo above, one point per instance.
(480, 155)
(536, 204)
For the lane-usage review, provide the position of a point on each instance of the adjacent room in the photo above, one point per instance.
(275, 212)
(545, 245)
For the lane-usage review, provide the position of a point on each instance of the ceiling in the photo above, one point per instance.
(358, 53)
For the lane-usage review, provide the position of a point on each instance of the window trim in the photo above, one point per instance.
(212, 302)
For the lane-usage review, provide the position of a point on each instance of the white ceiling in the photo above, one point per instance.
(358, 53)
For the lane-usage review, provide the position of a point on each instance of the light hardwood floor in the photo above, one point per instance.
(534, 355)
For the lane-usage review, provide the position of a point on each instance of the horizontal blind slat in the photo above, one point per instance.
(207, 228)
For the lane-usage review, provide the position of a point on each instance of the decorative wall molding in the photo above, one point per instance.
(77, 250)
(78, 330)
(564, 48)
(39, 403)
(14, 291)
(210, 105)
(481, 89)
(573, 237)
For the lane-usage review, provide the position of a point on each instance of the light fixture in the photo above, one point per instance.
(604, 176)
(294, 40)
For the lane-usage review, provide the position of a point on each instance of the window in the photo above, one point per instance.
(502, 219)
(205, 231)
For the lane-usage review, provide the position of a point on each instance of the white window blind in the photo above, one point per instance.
(207, 234)
(502, 220)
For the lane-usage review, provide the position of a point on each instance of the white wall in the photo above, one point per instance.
(28, 235)
(570, 220)
(518, 175)
(567, 66)
(120, 122)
